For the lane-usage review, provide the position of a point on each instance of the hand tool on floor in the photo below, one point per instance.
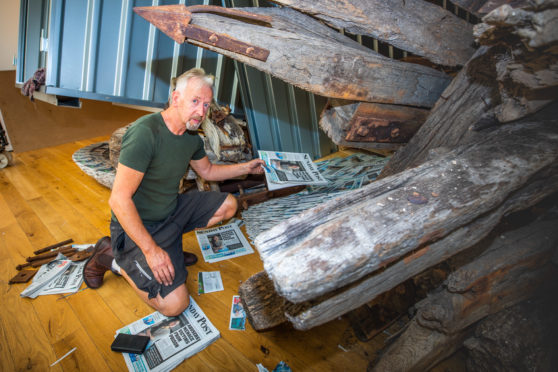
(174, 21)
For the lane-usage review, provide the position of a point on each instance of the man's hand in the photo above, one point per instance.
(255, 166)
(161, 265)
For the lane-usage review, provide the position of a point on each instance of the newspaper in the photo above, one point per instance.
(58, 276)
(68, 282)
(238, 315)
(173, 339)
(285, 169)
(209, 282)
(47, 274)
(343, 174)
(222, 242)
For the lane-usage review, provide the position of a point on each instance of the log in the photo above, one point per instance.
(347, 238)
(510, 271)
(311, 56)
(337, 303)
(264, 308)
(416, 26)
(528, 76)
(513, 75)
(471, 6)
(481, 7)
(466, 101)
(370, 126)
(520, 338)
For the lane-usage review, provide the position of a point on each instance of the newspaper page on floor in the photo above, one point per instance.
(286, 169)
(209, 282)
(237, 320)
(173, 339)
(222, 242)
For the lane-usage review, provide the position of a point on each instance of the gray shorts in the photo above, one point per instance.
(193, 210)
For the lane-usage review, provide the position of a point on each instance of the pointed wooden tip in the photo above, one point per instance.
(170, 19)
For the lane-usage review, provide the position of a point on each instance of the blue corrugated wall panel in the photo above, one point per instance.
(106, 54)
(100, 49)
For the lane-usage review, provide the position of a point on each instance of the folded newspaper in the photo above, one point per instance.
(222, 242)
(58, 276)
(173, 339)
(209, 282)
(286, 169)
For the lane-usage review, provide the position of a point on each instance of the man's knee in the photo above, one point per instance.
(231, 205)
(174, 303)
(226, 210)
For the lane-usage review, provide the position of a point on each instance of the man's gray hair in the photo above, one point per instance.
(180, 83)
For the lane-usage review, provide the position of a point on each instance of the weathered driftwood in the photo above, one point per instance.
(361, 232)
(309, 55)
(466, 101)
(481, 7)
(519, 338)
(514, 77)
(329, 307)
(264, 308)
(510, 271)
(370, 125)
(528, 71)
(415, 26)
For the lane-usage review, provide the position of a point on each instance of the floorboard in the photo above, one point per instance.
(45, 198)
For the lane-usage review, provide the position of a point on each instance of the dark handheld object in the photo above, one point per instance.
(125, 343)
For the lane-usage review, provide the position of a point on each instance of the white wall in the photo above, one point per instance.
(9, 24)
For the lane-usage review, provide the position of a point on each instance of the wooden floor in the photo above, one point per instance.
(45, 198)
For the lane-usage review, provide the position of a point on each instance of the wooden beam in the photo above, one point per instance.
(362, 232)
(370, 125)
(513, 269)
(481, 7)
(311, 56)
(416, 26)
(513, 75)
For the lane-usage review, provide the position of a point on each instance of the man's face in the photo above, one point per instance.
(193, 103)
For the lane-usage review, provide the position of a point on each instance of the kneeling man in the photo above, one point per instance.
(148, 215)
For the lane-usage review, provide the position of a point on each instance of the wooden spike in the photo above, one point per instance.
(171, 19)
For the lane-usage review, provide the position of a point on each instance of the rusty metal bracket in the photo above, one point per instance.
(174, 21)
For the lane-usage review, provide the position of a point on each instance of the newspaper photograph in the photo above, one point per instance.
(238, 315)
(285, 169)
(209, 282)
(172, 339)
(222, 242)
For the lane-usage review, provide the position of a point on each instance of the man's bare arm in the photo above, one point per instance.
(220, 172)
(126, 183)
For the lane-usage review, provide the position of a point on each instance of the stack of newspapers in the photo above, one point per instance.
(342, 174)
(58, 276)
(173, 339)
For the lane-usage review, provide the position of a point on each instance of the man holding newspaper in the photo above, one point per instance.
(149, 216)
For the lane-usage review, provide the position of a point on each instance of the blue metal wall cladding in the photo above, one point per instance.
(280, 116)
(100, 49)
(32, 27)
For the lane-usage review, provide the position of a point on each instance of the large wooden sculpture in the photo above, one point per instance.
(487, 147)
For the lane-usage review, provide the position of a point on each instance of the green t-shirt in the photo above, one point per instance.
(148, 146)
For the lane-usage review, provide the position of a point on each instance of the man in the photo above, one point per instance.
(148, 215)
